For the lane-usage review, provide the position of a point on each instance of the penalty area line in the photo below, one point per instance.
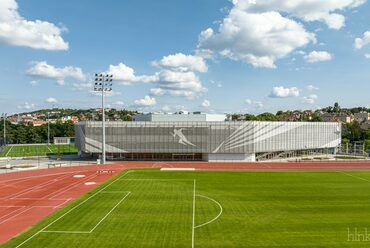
(357, 177)
(102, 219)
(70, 210)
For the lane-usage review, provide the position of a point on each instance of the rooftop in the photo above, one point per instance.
(180, 116)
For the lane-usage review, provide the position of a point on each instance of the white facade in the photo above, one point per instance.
(211, 141)
(179, 117)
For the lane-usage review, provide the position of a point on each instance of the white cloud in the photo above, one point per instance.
(119, 103)
(281, 92)
(317, 56)
(248, 101)
(367, 55)
(107, 93)
(166, 108)
(218, 84)
(361, 42)
(311, 99)
(206, 103)
(177, 76)
(261, 32)
(255, 38)
(147, 101)
(41, 69)
(34, 82)
(17, 31)
(256, 104)
(27, 106)
(328, 11)
(311, 87)
(82, 86)
(176, 83)
(126, 75)
(51, 100)
(181, 62)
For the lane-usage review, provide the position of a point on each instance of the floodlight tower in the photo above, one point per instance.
(48, 127)
(4, 118)
(103, 83)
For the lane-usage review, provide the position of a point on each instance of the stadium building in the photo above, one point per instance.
(205, 137)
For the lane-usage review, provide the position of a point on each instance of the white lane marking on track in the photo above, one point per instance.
(71, 186)
(79, 176)
(11, 217)
(10, 213)
(90, 183)
(41, 185)
(215, 218)
(46, 175)
(67, 200)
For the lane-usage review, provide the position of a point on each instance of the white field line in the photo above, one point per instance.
(113, 192)
(154, 179)
(350, 175)
(49, 148)
(101, 220)
(36, 187)
(193, 228)
(68, 232)
(6, 155)
(215, 218)
(70, 210)
(110, 212)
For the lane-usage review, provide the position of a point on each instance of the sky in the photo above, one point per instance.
(215, 56)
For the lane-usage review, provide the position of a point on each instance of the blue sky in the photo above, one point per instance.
(217, 56)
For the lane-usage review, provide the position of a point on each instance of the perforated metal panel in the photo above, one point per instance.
(207, 137)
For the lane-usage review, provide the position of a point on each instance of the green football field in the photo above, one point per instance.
(152, 208)
(37, 150)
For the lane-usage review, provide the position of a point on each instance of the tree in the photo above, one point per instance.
(336, 108)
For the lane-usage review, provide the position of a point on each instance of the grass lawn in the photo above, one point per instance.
(152, 208)
(37, 150)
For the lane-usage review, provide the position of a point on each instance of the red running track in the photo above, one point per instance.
(29, 196)
(327, 165)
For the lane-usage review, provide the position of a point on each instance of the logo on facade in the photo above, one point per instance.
(182, 138)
